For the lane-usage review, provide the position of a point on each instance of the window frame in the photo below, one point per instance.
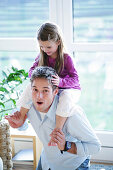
(60, 11)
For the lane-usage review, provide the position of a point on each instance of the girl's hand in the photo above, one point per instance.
(56, 80)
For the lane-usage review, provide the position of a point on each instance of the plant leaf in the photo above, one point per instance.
(2, 104)
(3, 89)
(4, 74)
(14, 101)
(14, 69)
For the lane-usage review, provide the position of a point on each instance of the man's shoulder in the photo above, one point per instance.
(76, 113)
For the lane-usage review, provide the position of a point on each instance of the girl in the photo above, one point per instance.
(52, 54)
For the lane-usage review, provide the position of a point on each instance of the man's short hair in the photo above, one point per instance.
(44, 72)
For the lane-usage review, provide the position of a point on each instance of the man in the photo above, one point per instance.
(75, 143)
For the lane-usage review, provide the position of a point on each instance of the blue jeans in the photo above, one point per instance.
(84, 166)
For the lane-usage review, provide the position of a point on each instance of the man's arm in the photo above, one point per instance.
(78, 126)
(16, 120)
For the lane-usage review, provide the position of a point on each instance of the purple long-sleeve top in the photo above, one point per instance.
(68, 75)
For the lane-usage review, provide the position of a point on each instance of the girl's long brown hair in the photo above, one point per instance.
(51, 32)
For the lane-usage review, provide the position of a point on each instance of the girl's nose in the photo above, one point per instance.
(44, 49)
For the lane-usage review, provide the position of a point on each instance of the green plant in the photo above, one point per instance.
(10, 89)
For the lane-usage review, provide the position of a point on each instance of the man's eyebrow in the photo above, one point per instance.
(33, 86)
(46, 87)
(42, 87)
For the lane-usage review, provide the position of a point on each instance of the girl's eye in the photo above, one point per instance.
(49, 47)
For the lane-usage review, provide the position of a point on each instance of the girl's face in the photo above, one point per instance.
(49, 47)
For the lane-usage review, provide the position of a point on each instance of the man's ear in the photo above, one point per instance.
(55, 91)
(58, 42)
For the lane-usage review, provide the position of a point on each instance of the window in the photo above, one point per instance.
(87, 28)
(93, 22)
(18, 27)
(95, 71)
(22, 18)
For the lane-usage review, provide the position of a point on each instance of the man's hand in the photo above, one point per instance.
(16, 120)
(57, 136)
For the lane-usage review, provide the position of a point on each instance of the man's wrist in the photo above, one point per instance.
(66, 147)
(70, 147)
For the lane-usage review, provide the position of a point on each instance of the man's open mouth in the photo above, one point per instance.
(39, 103)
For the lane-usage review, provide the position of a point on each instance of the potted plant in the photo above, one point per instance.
(10, 90)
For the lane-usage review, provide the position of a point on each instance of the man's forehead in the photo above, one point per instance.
(43, 82)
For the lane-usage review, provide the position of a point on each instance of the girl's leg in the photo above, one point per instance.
(25, 101)
(60, 121)
(23, 112)
(67, 99)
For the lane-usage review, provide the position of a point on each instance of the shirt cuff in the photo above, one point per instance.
(80, 149)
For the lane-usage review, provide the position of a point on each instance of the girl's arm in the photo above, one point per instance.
(69, 77)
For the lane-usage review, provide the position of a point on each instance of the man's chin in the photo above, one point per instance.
(39, 109)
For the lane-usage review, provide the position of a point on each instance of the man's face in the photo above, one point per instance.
(42, 94)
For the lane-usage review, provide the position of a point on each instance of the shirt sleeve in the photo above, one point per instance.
(23, 127)
(35, 64)
(86, 141)
(71, 80)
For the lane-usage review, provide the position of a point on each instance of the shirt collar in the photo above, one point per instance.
(52, 111)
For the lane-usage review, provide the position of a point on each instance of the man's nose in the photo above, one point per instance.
(39, 95)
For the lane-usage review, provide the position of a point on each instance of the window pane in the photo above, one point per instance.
(96, 78)
(20, 60)
(93, 20)
(21, 18)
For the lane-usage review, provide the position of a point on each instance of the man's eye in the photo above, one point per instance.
(34, 89)
(45, 91)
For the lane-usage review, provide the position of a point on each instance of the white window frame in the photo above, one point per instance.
(61, 13)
